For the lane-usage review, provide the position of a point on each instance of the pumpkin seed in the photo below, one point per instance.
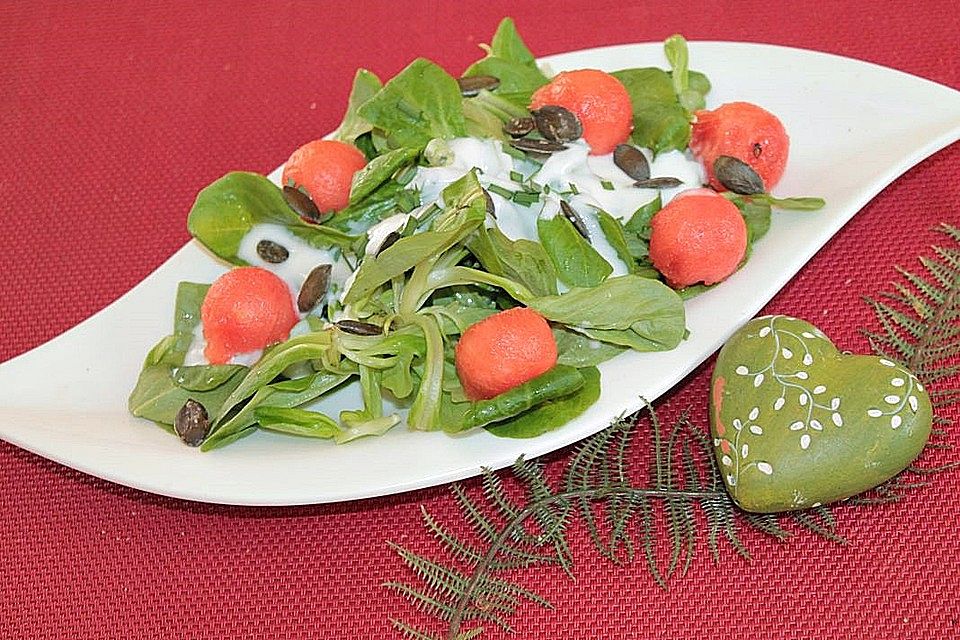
(491, 208)
(192, 423)
(570, 214)
(737, 176)
(272, 252)
(631, 161)
(314, 288)
(519, 127)
(472, 85)
(388, 241)
(304, 207)
(658, 183)
(358, 328)
(538, 147)
(557, 124)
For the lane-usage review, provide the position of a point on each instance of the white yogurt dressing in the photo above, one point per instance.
(302, 260)
(574, 166)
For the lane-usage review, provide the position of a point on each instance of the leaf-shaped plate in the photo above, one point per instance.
(854, 128)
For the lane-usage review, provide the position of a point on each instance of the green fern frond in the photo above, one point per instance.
(555, 514)
(412, 633)
(582, 475)
(814, 521)
(768, 523)
(474, 514)
(428, 604)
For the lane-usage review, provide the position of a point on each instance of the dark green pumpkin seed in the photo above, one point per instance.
(737, 176)
(570, 214)
(304, 207)
(314, 288)
(557, 124)
(472, 85)
(519, 127)
(358, 328)
(541, 147)
(491, 208)
(631, 161)
(272, 252)
(391, 238)
(192, 423)
(658, 183)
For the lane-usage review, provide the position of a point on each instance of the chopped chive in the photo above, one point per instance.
(500, 191)
(405, 175)
(408, 200)
(573, 189)
(516, 153)
(533, 186)
(546, 188)
(606, 184)
(526, 198)
(516, 176)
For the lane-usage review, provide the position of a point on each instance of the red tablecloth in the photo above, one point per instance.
(114, 114)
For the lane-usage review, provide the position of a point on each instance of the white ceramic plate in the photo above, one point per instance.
(854, 128)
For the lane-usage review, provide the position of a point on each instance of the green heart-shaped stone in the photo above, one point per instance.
(797, 424)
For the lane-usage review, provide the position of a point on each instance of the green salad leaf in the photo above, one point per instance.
(629, 310)
(578, 350)
(576, 262)
(521, 260)
(365, 85)
(551, 414)
(509, 60)
(164, 385)
(558, 382)
(379, 170)
(420, 103)
(227, 210)
(660, 121)
(278, 395)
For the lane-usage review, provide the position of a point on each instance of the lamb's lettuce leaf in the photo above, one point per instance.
(551, 414)
(420, 103)
(227, 210)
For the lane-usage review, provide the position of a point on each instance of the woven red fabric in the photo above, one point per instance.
(114, 114)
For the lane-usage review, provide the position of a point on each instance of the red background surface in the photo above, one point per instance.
(114, 114)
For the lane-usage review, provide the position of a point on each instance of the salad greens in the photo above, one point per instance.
(446, 268)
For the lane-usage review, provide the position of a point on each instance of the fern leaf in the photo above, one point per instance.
(767, 523)
(445, 584)
(580, 476)
(619, 508)
(444, 611)
(498, 499)
(412, 633)
(809, 521)
(553, 518)
(677, 509)
(473, 514)
(459, 549)
(649, 541)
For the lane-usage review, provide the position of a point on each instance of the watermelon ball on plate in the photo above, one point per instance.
(504, 351)
(744, 131)
(599, 101)
(697, 238)
(324, 169)
(245, 309)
